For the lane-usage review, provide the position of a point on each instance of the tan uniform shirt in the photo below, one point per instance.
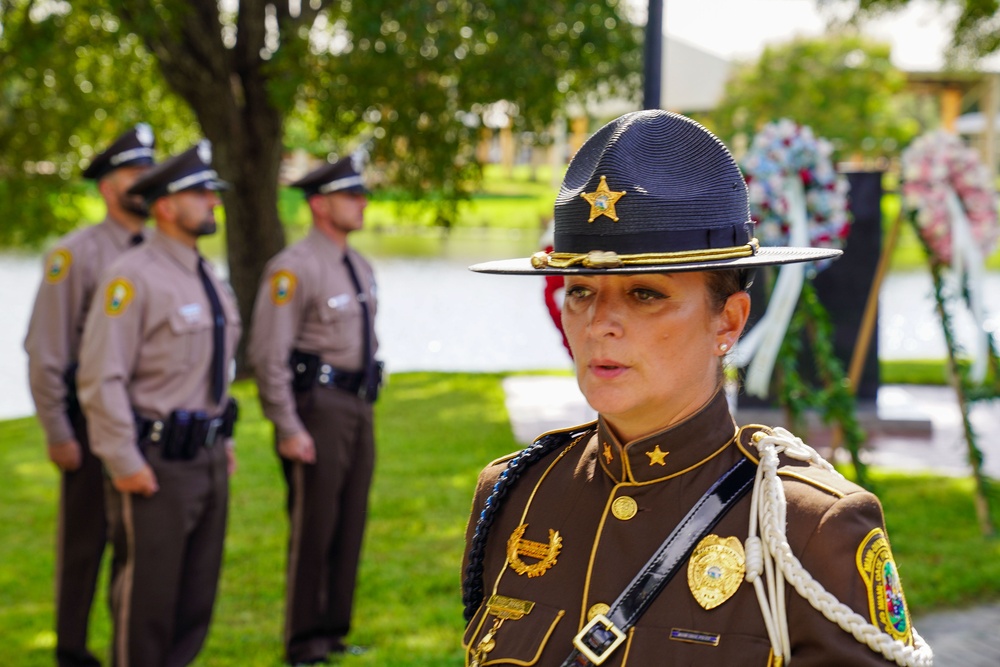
(148, 347)
(307, 302)
(72, 270)
(612, 507)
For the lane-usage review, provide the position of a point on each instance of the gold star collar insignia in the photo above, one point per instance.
(608, 456)
(602, 201)
(657, 456)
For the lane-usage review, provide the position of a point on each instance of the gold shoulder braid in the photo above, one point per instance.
(600, 259)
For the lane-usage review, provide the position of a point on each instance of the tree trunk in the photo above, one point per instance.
(253, 230)
(247, 153)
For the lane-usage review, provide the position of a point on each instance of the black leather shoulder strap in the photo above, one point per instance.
(599, 638)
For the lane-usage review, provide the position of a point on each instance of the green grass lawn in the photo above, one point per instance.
(435, 431)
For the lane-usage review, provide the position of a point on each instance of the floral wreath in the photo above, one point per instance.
(782, 149)
(931, 165)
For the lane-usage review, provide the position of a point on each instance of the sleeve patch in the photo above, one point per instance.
(886, 604)
(118, 296)
(58, 266)
(283, 287)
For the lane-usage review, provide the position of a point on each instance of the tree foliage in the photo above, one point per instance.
(411, 78)
(844, 87)
(975, 32)
(69, 84)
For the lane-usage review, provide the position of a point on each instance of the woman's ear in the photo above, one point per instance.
(732, 319)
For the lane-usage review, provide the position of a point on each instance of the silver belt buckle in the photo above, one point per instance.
(596, 658)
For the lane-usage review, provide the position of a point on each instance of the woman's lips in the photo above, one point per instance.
(606, 368)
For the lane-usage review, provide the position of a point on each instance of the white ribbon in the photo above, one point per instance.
(759, 348)
(967, 265)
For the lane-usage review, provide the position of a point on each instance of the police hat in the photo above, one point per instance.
(344, 175)
(133, 148)
(652, 192)
(191, 170)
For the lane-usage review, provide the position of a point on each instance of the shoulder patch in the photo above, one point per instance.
(283, 287)
(118, 296)
(886, 604)
(58, 265)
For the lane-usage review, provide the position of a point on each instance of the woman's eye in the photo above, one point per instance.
(577, 292)
(642, 294)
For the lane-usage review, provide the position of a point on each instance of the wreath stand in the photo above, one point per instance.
(783, 161)
(966, 392)
(811, 332)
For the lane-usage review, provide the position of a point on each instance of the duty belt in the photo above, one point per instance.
(353, 382)
(604, 633)
(308, 370)
(349, 381)
(184, 432)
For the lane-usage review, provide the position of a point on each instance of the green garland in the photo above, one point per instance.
(966, 390)
(833, 399)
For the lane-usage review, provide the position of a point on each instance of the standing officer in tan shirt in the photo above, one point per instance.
(154, 383)
(313, 346)
(72, 269)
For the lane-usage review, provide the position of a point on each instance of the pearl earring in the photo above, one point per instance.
(723, 346)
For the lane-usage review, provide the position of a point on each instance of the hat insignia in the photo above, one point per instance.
(602, 201)
(716, 570)
(358, 159)
(205, 151)
(144, 133)
(544, 553)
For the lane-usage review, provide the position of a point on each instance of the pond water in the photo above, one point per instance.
(436, 315)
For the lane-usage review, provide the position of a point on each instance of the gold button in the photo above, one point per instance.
(598, 608)
(624, 508)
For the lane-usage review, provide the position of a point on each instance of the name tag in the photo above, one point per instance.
(695, 637)
(191, 312)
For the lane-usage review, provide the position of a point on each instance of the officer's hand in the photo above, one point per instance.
(298, 447)
(66, 455)
(141, 483)
(230, 456)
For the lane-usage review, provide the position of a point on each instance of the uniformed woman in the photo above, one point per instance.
(663, 533)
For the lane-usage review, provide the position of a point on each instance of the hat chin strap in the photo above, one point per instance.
(608, 259)
(777, 564)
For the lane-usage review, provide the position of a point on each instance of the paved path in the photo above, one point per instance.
(912, 428)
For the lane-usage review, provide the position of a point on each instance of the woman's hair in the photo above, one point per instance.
(724, 283)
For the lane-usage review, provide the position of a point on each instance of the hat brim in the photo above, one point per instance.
(765, 256)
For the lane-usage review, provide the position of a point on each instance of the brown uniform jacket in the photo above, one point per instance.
(72, 270)
(147, 347)
(830, 522)
(307, 302)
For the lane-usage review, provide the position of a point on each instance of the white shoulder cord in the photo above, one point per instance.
(778, 564)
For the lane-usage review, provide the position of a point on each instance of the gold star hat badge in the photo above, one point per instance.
(602, 201)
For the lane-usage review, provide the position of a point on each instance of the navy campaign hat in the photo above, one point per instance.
(342, 175)
(652, 192)
(190, 170)
(131, 149)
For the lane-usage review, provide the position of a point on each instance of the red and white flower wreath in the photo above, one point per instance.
(931, 166)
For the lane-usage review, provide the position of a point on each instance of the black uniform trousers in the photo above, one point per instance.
(168, 556)
(327, 509)
(80, 540)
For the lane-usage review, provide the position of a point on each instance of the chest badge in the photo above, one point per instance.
(544, 554)
(716, 570)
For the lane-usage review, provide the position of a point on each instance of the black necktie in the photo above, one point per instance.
(136, 239)
(366, 335)
(218, 332)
